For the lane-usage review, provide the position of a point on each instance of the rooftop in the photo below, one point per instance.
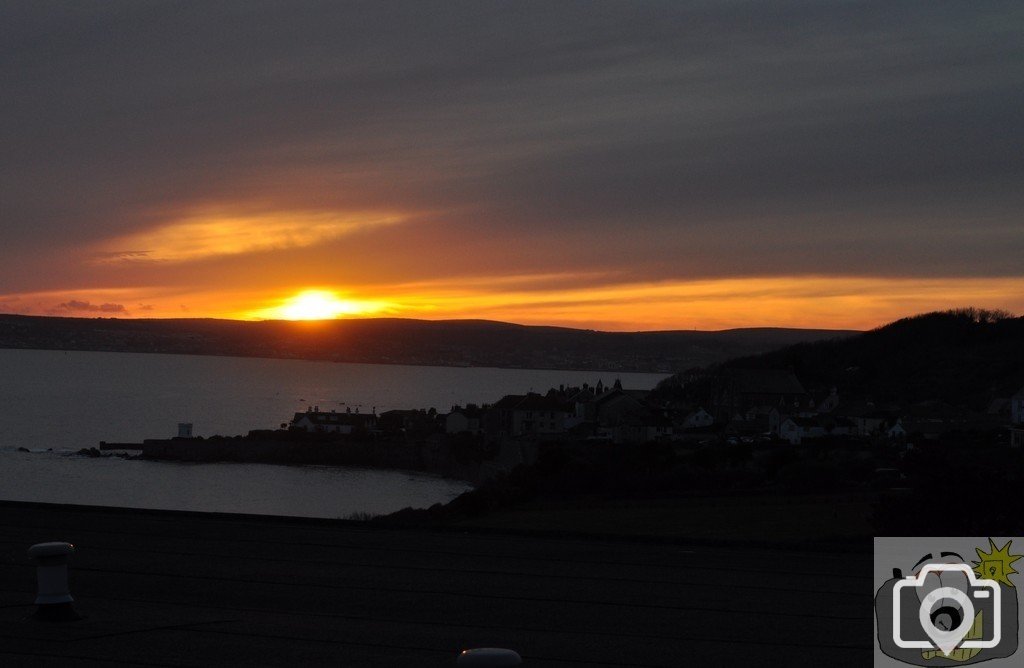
(538, 402)
(332, 418)
(179, 589)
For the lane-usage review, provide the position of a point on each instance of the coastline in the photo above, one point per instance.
(249, 488)
(434, 456)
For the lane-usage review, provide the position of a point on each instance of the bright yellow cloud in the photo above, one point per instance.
(213, 234)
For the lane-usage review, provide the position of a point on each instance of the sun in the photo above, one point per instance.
(318, 305)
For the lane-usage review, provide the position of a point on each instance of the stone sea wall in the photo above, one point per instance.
(444, 457)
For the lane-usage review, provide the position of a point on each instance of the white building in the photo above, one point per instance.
(332, 422)
(796, 429)
(697, 418)
(896, 431)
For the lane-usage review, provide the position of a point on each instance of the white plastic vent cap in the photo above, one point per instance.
(57, 549)
(489, 657)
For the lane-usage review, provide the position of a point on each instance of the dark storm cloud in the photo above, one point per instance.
(663, 139)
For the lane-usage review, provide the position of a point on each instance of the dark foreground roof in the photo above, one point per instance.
(186, 589)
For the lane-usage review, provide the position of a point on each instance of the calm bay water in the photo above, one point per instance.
(266, 489)
(70, 400)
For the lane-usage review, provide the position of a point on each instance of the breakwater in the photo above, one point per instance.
(458, 459)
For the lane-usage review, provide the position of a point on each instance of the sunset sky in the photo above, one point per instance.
(624, 165)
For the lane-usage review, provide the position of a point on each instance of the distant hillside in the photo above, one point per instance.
(400, 341)
(964, 357)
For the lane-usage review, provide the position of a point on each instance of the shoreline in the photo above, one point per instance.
(126, 454)
(433, 457)
(327, 492)
(325, 360)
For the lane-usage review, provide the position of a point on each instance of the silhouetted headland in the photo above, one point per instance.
(402, 341)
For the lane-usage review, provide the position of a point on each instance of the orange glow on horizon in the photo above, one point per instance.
(318, 305)
(708, 304)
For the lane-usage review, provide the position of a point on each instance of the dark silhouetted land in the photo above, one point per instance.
(402, 341)
(963, 358)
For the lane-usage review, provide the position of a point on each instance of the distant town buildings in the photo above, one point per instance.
(315, 420)
(743, 405)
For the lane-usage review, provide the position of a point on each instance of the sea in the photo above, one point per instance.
(54, 403)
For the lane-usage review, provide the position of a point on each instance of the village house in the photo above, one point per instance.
(866, 417)
(332, 422)
(468, 420)
(796, 429)
(531, 414)
(824, 402)
(625, 416)
(573, 399)
(748, 427)
(868, 425)
(744, 391)
(807, 423)
(838, 425)
(638, 429)
(536, 414)
(696, 419)
(894, 430)
(1017, 419)
(416, 421)
(497, 421)
(615, 405)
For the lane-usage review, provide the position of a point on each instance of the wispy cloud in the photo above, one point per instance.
(122, 256)
(113, 302)
(78, 305)
(213, 234)
(785, 301)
